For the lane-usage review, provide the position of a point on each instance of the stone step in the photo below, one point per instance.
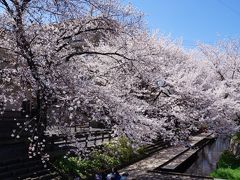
(14, 161)
(20, 171)
(9, 123)
(13, 119)
(10, 141)
(35, 174)
(7, 127)
(13, 151)
(17, 160)
(49, 176)
(25, 168)
(14, 114)
(19, 165)
(6, 134)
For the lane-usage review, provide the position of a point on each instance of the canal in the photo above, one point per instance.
(207, 157)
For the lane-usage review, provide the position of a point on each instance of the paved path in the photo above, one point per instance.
(159, 176)
(140, 168)
(193, 140)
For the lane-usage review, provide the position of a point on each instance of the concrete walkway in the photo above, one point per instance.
(159, 176)
(140, 169)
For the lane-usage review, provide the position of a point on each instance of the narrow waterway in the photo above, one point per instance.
(208, 157)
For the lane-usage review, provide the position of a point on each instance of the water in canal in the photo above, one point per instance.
(208, 157)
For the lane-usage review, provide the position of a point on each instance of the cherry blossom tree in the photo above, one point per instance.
(93, 60)
(45, 42)
(211, 74)
(223, 62)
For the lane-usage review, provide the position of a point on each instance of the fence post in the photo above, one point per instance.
(109, 136)
(102, 137)
(95, 140)
(86, 140)
(75, 127)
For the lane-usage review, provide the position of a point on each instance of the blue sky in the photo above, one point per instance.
(192, 20)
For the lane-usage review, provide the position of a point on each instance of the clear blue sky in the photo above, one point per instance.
(192, 20)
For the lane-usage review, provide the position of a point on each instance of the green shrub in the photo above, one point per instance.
(113, 154)
(122, 149)
(226, 173)
(228, 167)
(103, 161)
(141, 151)
(228, 160)
(74, 166)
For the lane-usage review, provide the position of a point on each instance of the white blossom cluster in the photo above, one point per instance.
(92, 60)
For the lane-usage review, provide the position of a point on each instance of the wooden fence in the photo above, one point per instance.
(60, 144)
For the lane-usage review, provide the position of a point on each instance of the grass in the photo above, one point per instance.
(227, 173)
(228, 167)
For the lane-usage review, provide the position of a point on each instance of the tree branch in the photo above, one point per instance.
(24, 5)
(82, 31)
(4, 2)
(96, 53)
